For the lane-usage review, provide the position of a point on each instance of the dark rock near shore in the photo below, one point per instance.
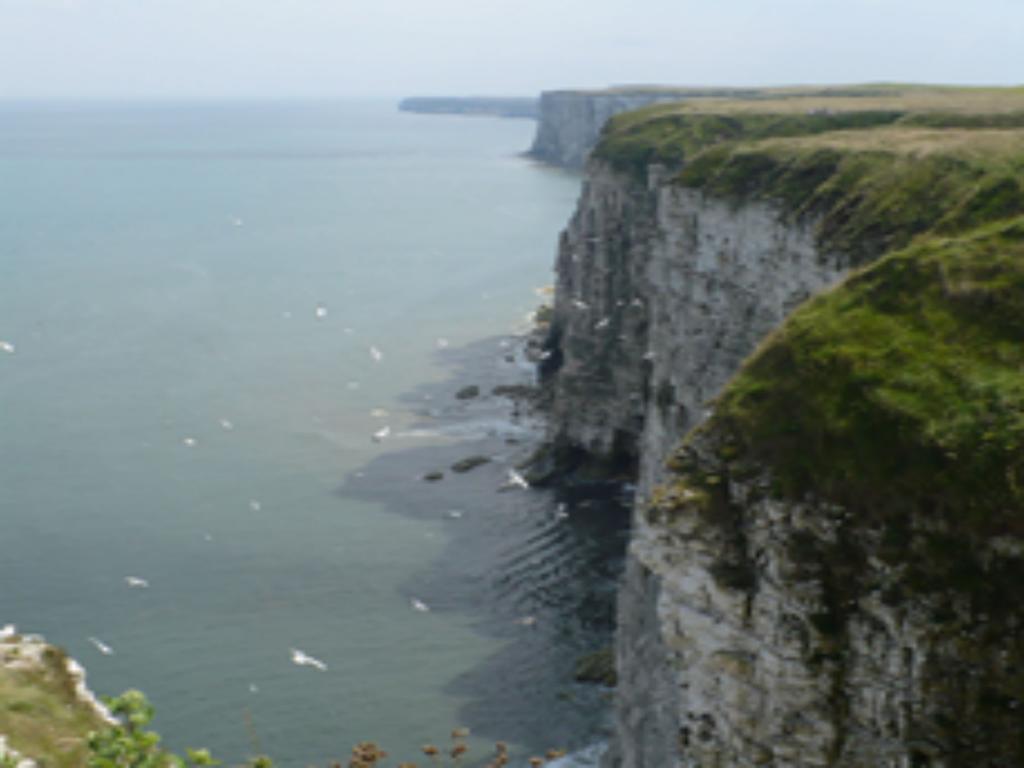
(468, 463)
(515, 391)
(597, 667)
(467, 393)
(433, 477)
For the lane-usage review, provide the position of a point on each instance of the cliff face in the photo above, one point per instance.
(815, 577)
(661, 294)
(571, 121)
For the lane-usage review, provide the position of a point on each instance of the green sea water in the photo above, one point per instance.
(194, 294)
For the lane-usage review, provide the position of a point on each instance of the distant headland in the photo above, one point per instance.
(494, 106)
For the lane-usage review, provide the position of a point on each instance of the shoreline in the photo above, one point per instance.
(536, 568)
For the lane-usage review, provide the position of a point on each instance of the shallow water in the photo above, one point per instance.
(176, 410)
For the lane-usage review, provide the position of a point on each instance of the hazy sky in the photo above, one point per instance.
(317, 48)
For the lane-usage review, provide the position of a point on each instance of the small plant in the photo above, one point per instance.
(129, 745)
(368, 754)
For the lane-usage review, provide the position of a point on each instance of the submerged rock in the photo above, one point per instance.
(597, 667)
(469, 463)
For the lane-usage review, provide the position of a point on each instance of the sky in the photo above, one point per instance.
(308, 49)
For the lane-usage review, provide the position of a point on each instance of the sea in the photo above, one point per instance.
(233, 339)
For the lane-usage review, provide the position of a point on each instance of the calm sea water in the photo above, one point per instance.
(178, 410)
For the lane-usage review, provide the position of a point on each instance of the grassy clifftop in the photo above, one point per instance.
(901, 390)
(676, 132)
(870, 191)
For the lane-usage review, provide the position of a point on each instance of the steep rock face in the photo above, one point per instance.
(661, 293)
(792, 635)
(571, 121)
(804, 607)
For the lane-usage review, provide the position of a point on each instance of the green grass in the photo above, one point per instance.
(633, 140)
(900, 391)
(872, 191)
(40, 715)
(674, 133)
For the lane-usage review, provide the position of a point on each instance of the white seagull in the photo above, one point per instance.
(102, 647)
(135, 582)
(305, 660)
(516, 480)
(189, 442)
(6, 346)
(381, 433)
(320, 312)
(226, 425)
(376, 354)
(419, 605)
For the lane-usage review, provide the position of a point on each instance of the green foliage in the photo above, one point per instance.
(129, 745)
(960, 120)
(869, 196)
(901, 390)
(633, 140)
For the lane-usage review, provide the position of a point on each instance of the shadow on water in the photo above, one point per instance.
(534, 568)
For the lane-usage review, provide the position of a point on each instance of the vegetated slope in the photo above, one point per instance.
(869, 461)
(40, 713)
(900, 392)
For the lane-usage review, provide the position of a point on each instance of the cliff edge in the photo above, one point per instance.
(46, 710)
(815, 575)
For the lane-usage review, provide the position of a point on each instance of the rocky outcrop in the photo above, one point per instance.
(779, 607)
(39, 679)
(571, 121)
